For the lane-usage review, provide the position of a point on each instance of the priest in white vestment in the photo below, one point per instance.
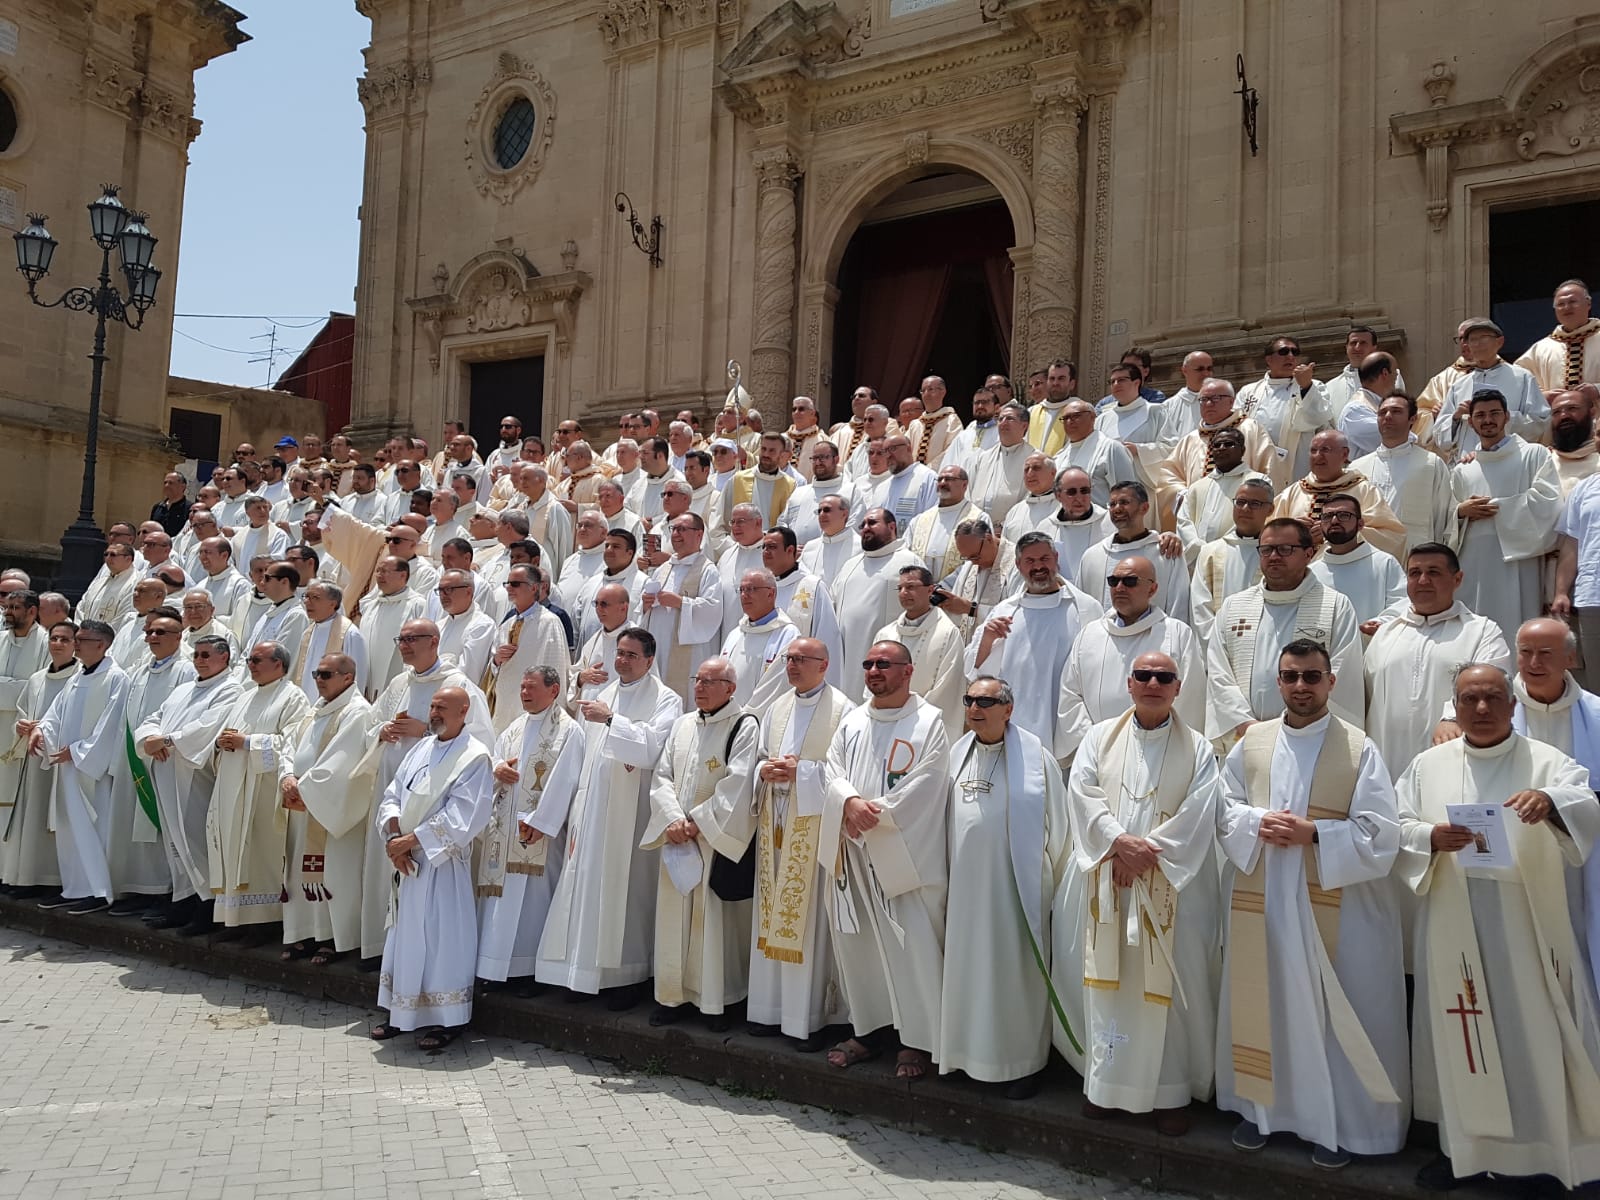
(884, 828)
(113, 601)
(383, 614)
(1094, 681)
(981, 433)
(1453, 434)
(529, 636)
(794, 986)
(802, 597)
(997, 473)
(1508, 499)
(754, 648)
(865, 592)
(244, 839)
(800, 514)
(1412, 660)
(586, 561)
(328, 632)
(82, 736)
(24, 651)
(1253, 625)
(909, 488)
(931, 535)
(824, 556)
(935, 643)
(1195, 455)
(600, 931)
(1130, 514)
(1330, 475)
(1569, 355)
(743, 552)
(1506, 1031)
(1371, 579)
(1137, 424)
(398, 722)
(1413, 481)
(1206, 511)
(682, 605)
(260, 536)
(1045, 426)
(438, 803)
(1009, 847)
(228, 589)
(470, 635)
(179, 742)
(283, 619)
(592, 671)
(620, 555)
(28, 862)
(1288, 403)
(1142, 913)
(1311, 1038)
(516, 879)
(1104, 459)
(987, 575)
(1078, 522)
(1027, 638)
(1038, 501)
(702, 938)
(1232, 563)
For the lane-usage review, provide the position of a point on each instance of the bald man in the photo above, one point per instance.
(1330, 474)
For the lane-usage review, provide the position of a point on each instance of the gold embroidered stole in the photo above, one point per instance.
(502, 850)
(744, 492)
(491, 669)
(335, 640)
(1154, 898)
(1572, 374)
(313, 856)
(1333, 784)
(786, 855)
(678, 657)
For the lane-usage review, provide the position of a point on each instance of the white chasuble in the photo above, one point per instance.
(793, 982)
(27, 842)
(931, 536)
(1206, 511)
(600, 931)
(996, 481)
(1415, 483)
(1369, 578)
(1007, 817)
(702, 942)
(1507, 1044)
(888, 902)
(1074, 535)
(330, 756)
(86, 719)
(381, 619)
(1230, 564)
(756, 654)
(938, 674)
(1502, 556)
(515, 882)
(190, 719)
(1172, 574)
(1094, 682)
(138, 862)
(1311, 1036)
(804, 598)
(865, 597)
(443, 794)
(825, 556)
(1251, 628)
(243, 835)
(1032, 655)
(1144, 958)
(688, 635)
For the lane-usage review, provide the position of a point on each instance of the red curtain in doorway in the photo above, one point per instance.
(997, 273)
(899, 316)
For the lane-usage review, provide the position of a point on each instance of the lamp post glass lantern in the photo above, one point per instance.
(112, 226)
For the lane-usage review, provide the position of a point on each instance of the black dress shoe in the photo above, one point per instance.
(129, 906)
(1438, 1176)
(89, 904)
(1025, 1088)
(623, 998)
(54, 901)
(527, 989)
(667, 1015)
(30, 892)
(171, 915)
(756, 1029)
(812, 1044)
(720, 1022)
(370, 966)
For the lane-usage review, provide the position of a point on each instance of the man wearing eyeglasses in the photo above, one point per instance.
(1330, 474)
(1129, 510)
(359, 547)
(178, 741)
(1038, 502)
(466, 634)
(1194, 457)
(1104, 459)
(1140, 904)
(1028, 635)
(754, 647)
(328, 632)
(1288, 402)
(883, 821)
(1232, 562)
(793, 980)
(325, 790)
(997, 473)
(284, 620)
(1309, 824)
(1205, 512)
(113, 600)
(682, 604)
(1414, 482)
(530, 635)
(1250, 625)
(1008, 839)
(384, 611)
(825, 555)
(935, 644)
(930, 535)
(1369, 578)
(1094, 681)
(802, 596)
(139, 867)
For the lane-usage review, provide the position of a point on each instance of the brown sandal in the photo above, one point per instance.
(912, 1065)
(850, 1052)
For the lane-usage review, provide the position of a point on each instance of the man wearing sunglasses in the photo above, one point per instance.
(1007, 830)
(1094, 684)
(864, 590)
(1077, 522)
(1250, 625)
(1104, 458)
(887, 792)
(1141, 896)
(1288, 402)
(1232, 562)
(1308, 816)
(1330, 475)
(325, 788)
(178, 741)
(1369, 578)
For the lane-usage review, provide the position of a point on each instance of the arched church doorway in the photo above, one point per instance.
(925, 287)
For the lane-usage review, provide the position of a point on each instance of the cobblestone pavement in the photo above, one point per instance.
(128, 1078)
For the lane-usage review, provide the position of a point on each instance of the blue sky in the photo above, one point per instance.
(269, 218)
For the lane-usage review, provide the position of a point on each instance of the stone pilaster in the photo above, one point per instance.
(1058, 219)
(772, 346)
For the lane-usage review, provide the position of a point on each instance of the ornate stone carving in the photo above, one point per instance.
(772, 344)
(392, 86)
(129, 92)
(497, 303)
(916, 147)
(1058, 216)
(860, 31)
(1021, 342)
(498, 291)
(1015, 139)
(628, 22)
(991, 10)
(1439, 82)
(776, 169)
(433, 330)
(512, 77)
(931, 95)
(569, 255)
(1100, 251)
(825, 181)
(1561, 116)
(441, 277)
(111, 84)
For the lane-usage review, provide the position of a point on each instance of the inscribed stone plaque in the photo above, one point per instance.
(8, 207)
(8, 37)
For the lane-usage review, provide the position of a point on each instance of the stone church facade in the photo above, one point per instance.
(496, 271)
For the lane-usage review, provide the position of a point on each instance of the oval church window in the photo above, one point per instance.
(8, 121)
(513, 133)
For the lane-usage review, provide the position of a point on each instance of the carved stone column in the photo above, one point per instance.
(1058, 219)
(772, 342)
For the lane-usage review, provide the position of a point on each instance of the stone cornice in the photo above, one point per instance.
(122, 89)
(392, 86)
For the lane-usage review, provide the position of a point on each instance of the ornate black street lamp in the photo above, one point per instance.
(112, 226)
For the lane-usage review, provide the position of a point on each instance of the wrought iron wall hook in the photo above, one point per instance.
(1250, 101)
(651, 246)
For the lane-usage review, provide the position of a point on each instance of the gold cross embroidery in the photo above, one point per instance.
(712, 764)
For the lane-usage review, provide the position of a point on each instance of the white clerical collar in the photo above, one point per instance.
(834, 538)
(1362, 550)
(908, 622)
(158, 665)
(1501, 748)
(686, 560)
(1456, 612)
(1391, 451)
(1290, 595)
(201, 684)
(1562, 703)
(884, 551)
(1278, 385)
(1120, 628)
(1316, 729)
(1042, 599)
(891, 714)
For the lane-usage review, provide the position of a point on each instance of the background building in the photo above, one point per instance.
(862, 190)
(91, 93)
